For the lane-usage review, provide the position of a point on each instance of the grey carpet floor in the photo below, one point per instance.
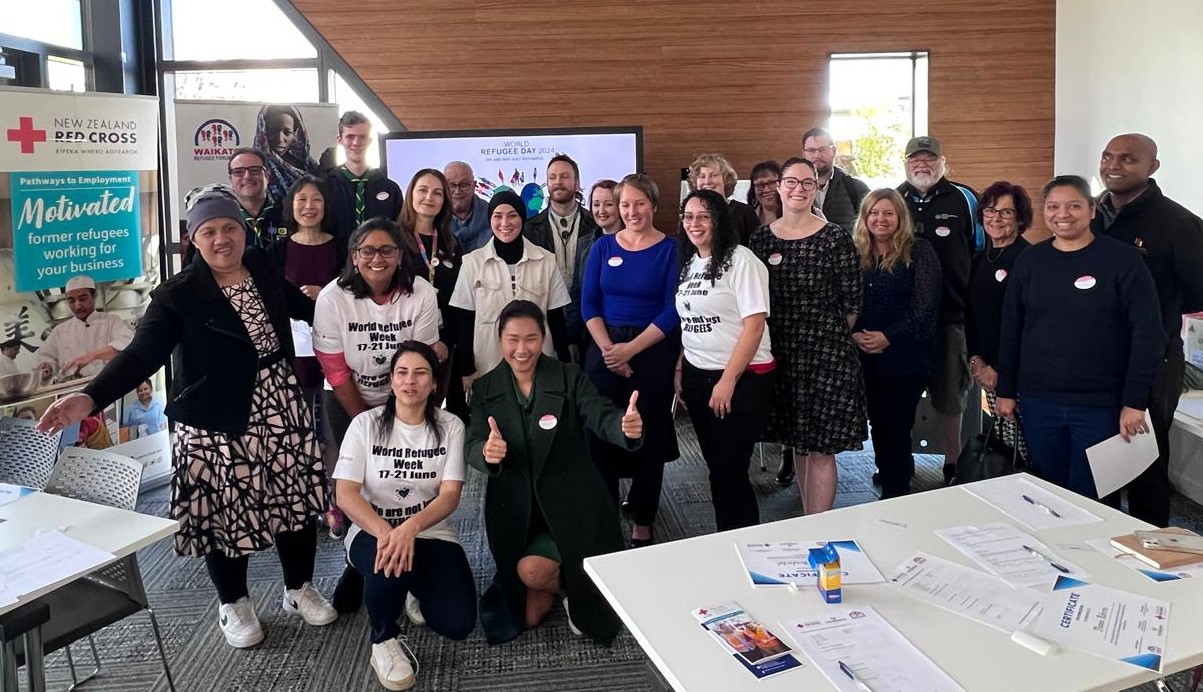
(325, 659)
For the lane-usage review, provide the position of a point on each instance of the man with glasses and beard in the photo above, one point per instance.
(839, 194)
(566, 229)
(469, 213)
(261, 215)
(945, 213)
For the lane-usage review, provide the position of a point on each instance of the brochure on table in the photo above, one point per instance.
(785, 563)
(1029, 504)
(759, 650)
(870, 648)
(1074, 614)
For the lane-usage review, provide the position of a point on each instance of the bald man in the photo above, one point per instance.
(469, 213)
(1134, 211)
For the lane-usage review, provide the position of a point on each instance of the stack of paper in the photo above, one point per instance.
(1007, 552)
(44, 559)
(1029, 504)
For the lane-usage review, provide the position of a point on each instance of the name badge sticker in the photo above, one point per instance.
(1085, 282)
(548, 422)
(614, 261)
(943, 231)
(775, 258)
(1000, 275)
(382, 195)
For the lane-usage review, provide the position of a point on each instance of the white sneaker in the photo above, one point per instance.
(239, 623)
(392, 666)
(413, 610)
(571, 624)
(310, 604)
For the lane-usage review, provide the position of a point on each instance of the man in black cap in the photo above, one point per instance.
(1133, 210)
(567, 230)
(945, 213)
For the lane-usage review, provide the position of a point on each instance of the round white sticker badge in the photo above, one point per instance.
(775, 258)
(1000, 275)
(548, 422)
(1085, 282)
(448, 264)
(943, 231)
(614, 261)
(382, 195)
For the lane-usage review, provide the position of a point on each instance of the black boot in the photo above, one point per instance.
(785, 474)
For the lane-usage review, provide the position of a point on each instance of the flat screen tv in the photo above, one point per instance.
(515, 159)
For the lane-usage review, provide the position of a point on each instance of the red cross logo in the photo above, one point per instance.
(26, 135)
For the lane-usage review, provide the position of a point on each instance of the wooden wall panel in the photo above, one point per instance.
(742, 77)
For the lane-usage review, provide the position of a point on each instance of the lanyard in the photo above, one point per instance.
(432, 260)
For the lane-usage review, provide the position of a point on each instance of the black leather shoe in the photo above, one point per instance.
(785, 473)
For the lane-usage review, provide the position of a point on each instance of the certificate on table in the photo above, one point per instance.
(968, 592)
(1014, 555)
(877, 654)
(1106, 622)
(1029, 504)
(12, 493)
(783, 563)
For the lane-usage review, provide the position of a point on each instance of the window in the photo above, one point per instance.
(234, 29)
(56, 22)
(66, 75)
(878, 101)
(271, 85)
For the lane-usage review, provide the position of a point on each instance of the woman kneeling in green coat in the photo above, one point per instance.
(546, 506)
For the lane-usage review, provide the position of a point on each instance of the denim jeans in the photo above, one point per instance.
(1057, 437)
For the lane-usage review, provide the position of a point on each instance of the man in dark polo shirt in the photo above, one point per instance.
(261, 215)
(945, 214)
(1134, 211)
(357, 192)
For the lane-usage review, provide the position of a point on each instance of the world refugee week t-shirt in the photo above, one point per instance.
(712, 316)
(367, 334)
(401, 473)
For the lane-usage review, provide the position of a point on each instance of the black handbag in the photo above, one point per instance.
(985, 456)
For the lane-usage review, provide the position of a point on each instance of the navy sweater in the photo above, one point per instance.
(903, 304)
(1081, 328)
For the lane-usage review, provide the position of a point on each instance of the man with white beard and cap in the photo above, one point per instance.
(86, 341)
(945, 213)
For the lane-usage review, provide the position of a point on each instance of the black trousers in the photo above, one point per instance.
(296, 550)
(653, 378)
(1149, 494)
(891, 403)
(727, 442)
(441, 580)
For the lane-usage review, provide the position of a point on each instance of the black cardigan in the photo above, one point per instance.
(214, 364)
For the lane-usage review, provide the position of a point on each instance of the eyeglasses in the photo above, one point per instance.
(806, 183)
(765, 185)
(466, 186)
(991, 212)
(688, 218)
(815, 151)
(926, 160)
(253, 171)
(368, 252)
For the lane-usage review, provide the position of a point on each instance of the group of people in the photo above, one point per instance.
(548, 352)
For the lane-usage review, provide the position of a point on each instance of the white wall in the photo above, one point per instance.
(1132, 66)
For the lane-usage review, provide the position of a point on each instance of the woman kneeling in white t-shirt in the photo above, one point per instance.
(400, 472)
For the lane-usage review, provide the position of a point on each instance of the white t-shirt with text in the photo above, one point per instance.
(367, 334)
(401, 473)
(712, 316)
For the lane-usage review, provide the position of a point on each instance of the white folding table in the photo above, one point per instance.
(654, 590)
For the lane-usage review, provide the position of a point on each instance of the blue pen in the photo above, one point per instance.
(847, 670)
(1050, 510)
(1046, 558)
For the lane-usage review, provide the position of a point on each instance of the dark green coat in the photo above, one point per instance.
(576, 505)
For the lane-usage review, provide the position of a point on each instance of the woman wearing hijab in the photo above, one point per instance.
(280, 133)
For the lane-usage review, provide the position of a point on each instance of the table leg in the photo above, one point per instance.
(658, 680)
(34, 665)
(8, 667)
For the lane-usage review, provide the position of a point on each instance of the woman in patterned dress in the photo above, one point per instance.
(248, 474)
(815, 291)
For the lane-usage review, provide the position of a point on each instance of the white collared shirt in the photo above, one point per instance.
(75, 337)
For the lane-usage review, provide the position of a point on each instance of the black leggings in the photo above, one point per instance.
(296, 550)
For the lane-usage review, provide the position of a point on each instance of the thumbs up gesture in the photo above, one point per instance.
(632, 422)
(494, 449)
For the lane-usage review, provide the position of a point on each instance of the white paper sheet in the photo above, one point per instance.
(1106, 622)
(1007, 494)
(1103, 545)
(12, 493)
(1003, 550)
(302, 338)
(779, 564)
(968, 592)
(1114, 463)
(1191, 406)
(878, 654)
(45, 558)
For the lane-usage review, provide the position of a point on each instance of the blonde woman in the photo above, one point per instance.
(713, 172)
(895, 330)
